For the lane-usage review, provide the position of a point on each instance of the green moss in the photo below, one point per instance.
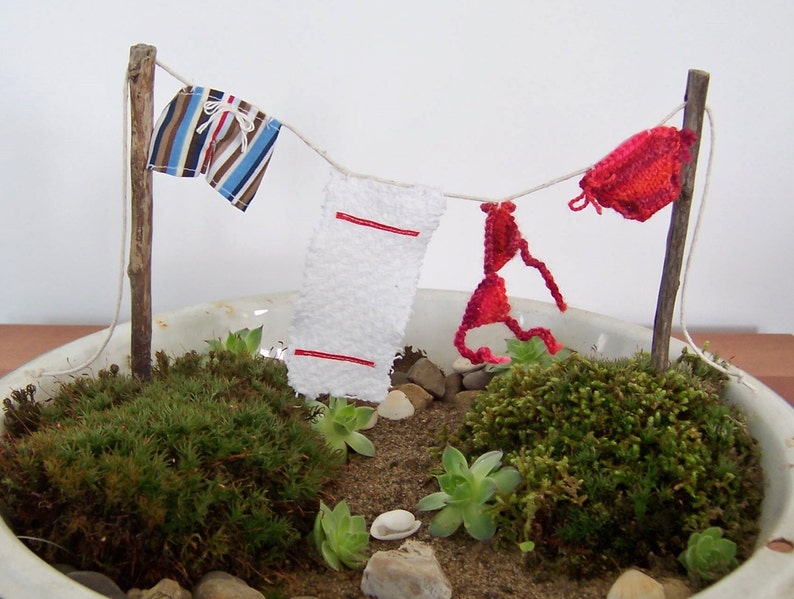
(22, 411)
(618, 460)
(211, 465)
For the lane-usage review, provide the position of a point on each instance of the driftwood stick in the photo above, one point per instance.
(140, 73)
(696, 90)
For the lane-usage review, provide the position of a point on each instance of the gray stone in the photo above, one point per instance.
(410, 571)
(453, 384)
(416, 395)
(220, 585)
(428, 376)
(478, 379)
(463, 365)
(165, 589)
(399, 378)
(99, 583)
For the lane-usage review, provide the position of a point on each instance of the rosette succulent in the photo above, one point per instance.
(244, 341)
(340, 537)
(339, 423)
(466, 492)
(708, 556)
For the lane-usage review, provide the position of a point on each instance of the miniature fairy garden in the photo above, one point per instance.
(565, 468)
(331, 468)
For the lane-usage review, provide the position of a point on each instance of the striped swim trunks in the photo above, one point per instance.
(204, 130)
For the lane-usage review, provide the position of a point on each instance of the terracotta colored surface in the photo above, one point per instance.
(769, 358)
(20, 343)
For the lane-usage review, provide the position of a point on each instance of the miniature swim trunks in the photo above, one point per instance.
(205, 130)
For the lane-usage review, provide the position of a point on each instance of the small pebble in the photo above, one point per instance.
(464, 366)
(633, 584)
(399, 378)
(417, 395)
(165, 589)
(453, 384)
(396, 406)
(478, 379)
(220, 585)
(427, 375)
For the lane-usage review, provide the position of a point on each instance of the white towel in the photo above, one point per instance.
(360, 279)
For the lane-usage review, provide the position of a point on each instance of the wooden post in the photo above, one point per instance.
(696, 90)
(140, 74)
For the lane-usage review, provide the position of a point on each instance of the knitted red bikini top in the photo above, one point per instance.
(639, 177)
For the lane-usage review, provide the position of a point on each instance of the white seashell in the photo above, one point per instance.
(393, 525)
(633, 584)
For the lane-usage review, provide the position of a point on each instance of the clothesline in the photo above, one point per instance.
(323, 154)
(460, 196)
(525, 192)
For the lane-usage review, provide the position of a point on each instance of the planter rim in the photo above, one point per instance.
(766, 574)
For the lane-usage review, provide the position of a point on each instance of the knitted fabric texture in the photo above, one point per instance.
(361, 274)
(489, 303)
(640, 177)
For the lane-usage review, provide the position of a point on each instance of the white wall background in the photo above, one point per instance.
(474, 97)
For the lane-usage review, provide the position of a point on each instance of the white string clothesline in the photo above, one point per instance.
(728, 370)
(460, 196)
(123, 251)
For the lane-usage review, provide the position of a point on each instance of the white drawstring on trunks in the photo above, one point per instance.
(216, 109)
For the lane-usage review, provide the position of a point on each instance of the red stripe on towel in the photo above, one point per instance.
(340, 357)
(375, 225)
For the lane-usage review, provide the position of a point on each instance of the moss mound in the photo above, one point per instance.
(618, 460)
(210, 465)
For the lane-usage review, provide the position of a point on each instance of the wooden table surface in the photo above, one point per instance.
(768, 357)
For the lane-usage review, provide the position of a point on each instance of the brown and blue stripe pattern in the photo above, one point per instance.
(178, 148)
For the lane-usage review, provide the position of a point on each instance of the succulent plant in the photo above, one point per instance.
(524, 353)
(708, 556)
(466, 491)
(339, 422)
(617, 459)
(244, 341)
(340, 537)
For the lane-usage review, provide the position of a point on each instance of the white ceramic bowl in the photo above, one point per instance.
(436, 316)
